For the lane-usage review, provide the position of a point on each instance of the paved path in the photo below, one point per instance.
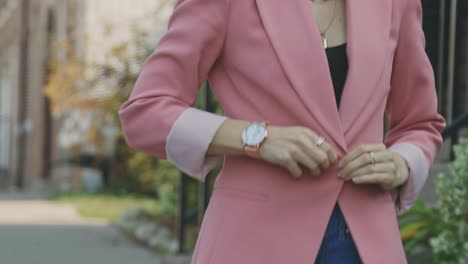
(42, 244)
(39, 232)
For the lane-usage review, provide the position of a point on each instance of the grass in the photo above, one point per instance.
(107, 206)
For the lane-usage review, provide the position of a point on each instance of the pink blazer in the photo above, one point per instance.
(265, 61)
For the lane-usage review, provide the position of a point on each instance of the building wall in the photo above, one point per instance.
(106, 23)
(8, 83)
(9, 56)
(27, 146)
(20, 96)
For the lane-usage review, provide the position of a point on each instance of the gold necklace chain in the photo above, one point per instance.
(322, 33)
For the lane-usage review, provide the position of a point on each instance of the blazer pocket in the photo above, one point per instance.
(241, 193)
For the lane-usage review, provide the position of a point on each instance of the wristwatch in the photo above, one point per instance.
(253, 136)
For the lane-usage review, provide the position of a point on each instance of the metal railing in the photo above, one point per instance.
(193, 215)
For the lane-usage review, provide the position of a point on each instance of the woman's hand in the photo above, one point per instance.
(293, 146)
(389, 170)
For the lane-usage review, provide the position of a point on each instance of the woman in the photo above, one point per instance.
(288, 184)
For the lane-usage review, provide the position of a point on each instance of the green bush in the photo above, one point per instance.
(443, 229)
(417, 226)
(137, 172)
(451, 244)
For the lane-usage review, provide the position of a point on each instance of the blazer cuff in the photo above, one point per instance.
(406, 194)
(188, 141)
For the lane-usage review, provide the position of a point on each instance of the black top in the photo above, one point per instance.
(338, 62)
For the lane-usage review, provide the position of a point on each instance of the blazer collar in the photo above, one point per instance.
(295, 37)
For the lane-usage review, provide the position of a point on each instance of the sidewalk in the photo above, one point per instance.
(41, 232)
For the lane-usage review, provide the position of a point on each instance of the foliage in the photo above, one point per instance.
(61, 84)
(442, 228)
(76, 84)
(417, 226)
(121, 71)
(107, 205)
(451, 244)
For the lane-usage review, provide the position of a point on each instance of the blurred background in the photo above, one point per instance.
(71, 191)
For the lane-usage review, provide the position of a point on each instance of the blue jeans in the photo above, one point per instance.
(337, 245)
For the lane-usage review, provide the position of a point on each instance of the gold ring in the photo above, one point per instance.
(319, 141)
(372, 157)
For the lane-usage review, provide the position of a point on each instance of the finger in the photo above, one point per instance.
(355, 153)
(381, 146)
(306, 142)
(294, 168)
(377, 178)
(363, 159)
(301, 157)
(332, 156)
(358, 163)
(381, 167)
(384, 156)
(320, 157)
(325, 146)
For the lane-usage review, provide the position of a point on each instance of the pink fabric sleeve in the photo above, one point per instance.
(405, 194)
(415, 126)
(171, 77)
(189, 139)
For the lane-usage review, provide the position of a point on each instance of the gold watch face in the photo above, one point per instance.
(253, 134)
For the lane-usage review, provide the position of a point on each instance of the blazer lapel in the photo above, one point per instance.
(293, 33)
(368, 33)
(295, 37)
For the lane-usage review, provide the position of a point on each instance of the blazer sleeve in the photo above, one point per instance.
(159, 117)
(415, 126)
